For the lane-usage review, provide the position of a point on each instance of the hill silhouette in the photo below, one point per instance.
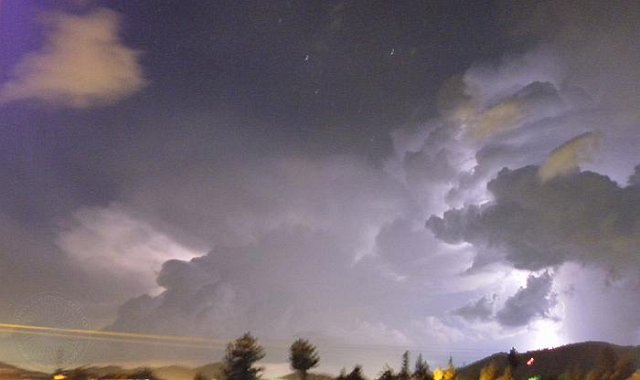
(8, 371)
(599, 360)
(171, 372)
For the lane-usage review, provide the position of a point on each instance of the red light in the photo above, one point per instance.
(530, 362)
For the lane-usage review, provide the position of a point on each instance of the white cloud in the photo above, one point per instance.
(110, 242)
(83, 63)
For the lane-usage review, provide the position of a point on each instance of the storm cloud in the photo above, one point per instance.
(249, 188)
(584, 218)
(535, 300)
(480, 310)
(334, 245)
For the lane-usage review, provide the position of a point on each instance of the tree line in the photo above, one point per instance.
(241, 357)
(242, 354)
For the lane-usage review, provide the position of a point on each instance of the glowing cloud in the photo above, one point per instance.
(501, 118)
(82, 64)
(111, 241)
(566, 158)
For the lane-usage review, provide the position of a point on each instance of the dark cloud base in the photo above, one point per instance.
(584, 218)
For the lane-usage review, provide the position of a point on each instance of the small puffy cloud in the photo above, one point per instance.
(82, 64)
(535, 300)
(583, 218)
(480, 310)
(566, 158)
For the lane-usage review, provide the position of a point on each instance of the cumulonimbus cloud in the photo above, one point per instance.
(83, 63)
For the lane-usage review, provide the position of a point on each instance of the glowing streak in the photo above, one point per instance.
(111, 333)
(189, 341)
(108, 338)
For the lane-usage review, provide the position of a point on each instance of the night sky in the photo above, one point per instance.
(448, 177)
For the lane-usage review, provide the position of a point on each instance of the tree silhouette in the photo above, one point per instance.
(404, 369)
(355, 374)
(302, 357)
(513, 358)
(387, 373)
(421, 371)
(240, 357)
(450, 373)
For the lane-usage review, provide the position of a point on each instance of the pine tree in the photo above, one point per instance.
(303, 356)
(450, 373)
(387, 374)
(240, 358)
(356, 374)
(421, 371)
(513, 358)
(404, 370)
